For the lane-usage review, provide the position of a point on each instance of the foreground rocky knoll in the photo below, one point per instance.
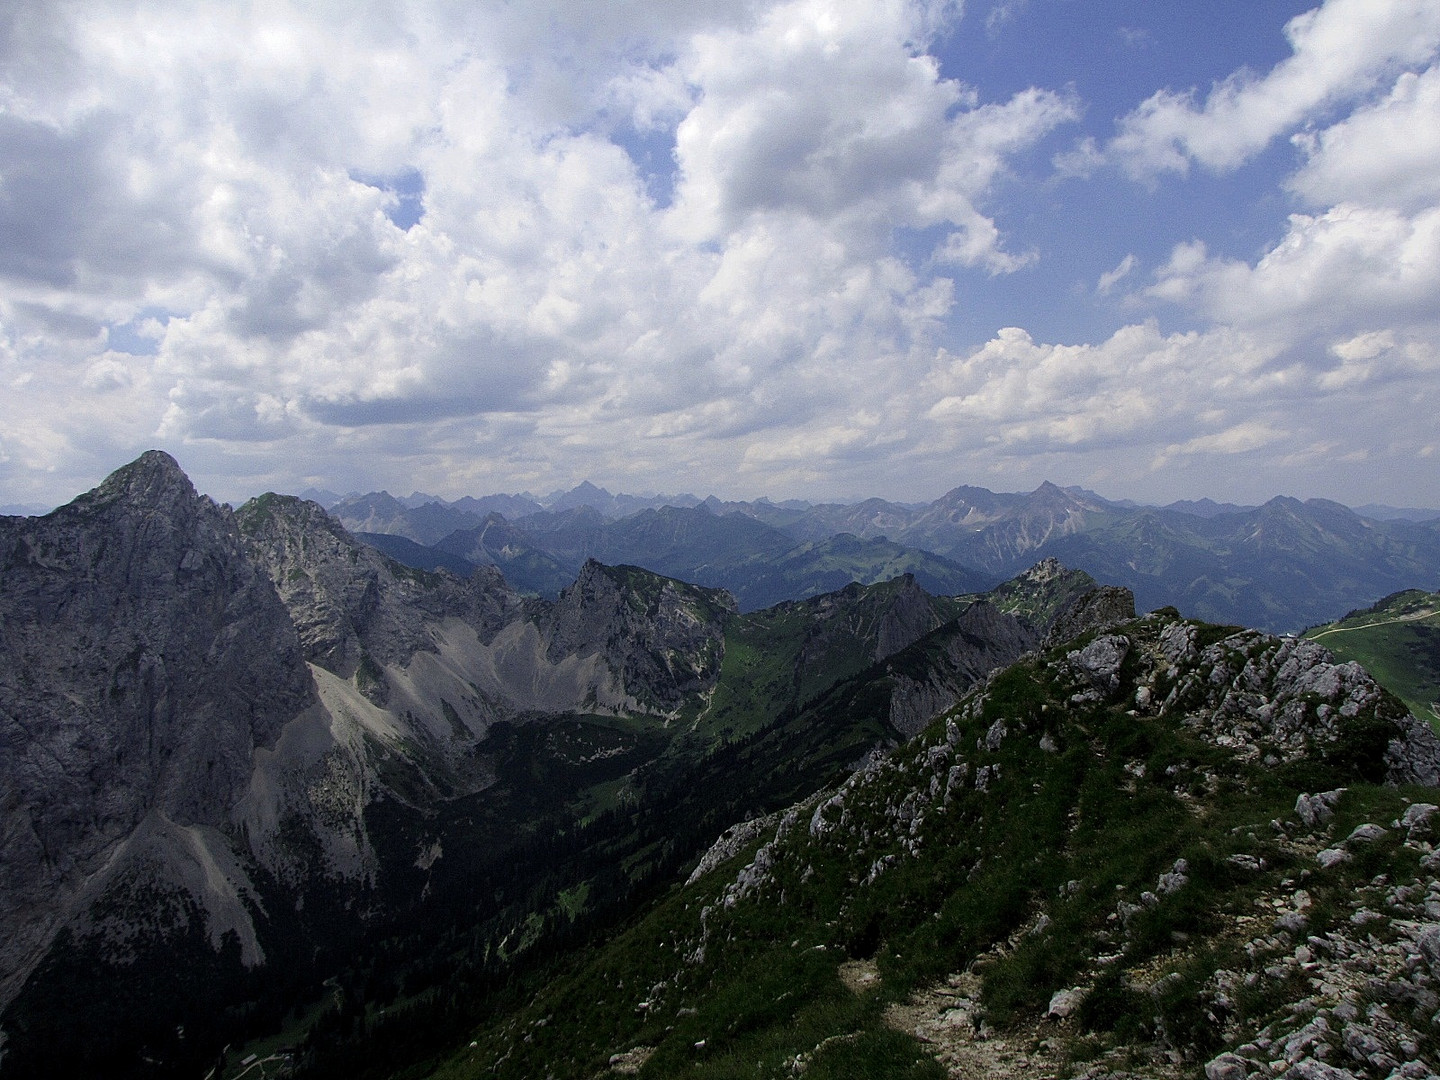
(236, 743)
(1160, 849)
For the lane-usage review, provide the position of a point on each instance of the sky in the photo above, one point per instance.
(810, 249)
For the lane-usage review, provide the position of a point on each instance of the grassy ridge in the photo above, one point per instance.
(1398, 642)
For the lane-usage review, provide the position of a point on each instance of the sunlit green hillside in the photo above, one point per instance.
(1398, 640)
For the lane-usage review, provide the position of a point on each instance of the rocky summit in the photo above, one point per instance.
(144, 660)
(202, 708)
(268, 791)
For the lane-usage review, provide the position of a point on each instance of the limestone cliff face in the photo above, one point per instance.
(982, 640)
(882, 619)
(619, 639)
(348, 601)
(143, 659)
(659, 641)
(412, 668)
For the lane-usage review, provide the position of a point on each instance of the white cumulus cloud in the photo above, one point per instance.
(1340, 51)
(1331, 271)
(391, 236)
(1386, 154)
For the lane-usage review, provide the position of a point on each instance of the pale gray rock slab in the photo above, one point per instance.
(1317, 809)
(1100, 661)
(1064, 1003)
(1098, 609)
(1418, 817)
(1366, 833)
(1227, 1066)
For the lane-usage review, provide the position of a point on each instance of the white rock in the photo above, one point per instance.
(1367, 833)
(1227, 1067)
(1417, 817)
(1317, 809)
(995, 735)
(1064, 1003)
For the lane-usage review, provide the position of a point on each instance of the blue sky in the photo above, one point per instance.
(801, 248)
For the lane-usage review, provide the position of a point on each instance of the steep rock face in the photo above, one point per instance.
(908, 616)
(1096, 609)
(348, 601)
(619, 639)
(881, 619)
(412, 668)
(661, 640)
(143, 659)
(961, 654)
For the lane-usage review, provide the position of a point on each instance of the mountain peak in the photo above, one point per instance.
(586, 490)
(582, 494)
(1282, 502)
(1052, 495)
(1045, 570)
(154, 477)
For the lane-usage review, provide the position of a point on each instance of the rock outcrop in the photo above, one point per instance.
(1101, 608)
(143, 661)
(350, 602)
(1281, 699)
(660, 641)
(981, 640)
(1040, 593)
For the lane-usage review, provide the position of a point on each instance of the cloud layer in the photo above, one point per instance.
(722, 246)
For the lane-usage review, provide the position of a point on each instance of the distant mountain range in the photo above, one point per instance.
(612, 506)
(1281, 566)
